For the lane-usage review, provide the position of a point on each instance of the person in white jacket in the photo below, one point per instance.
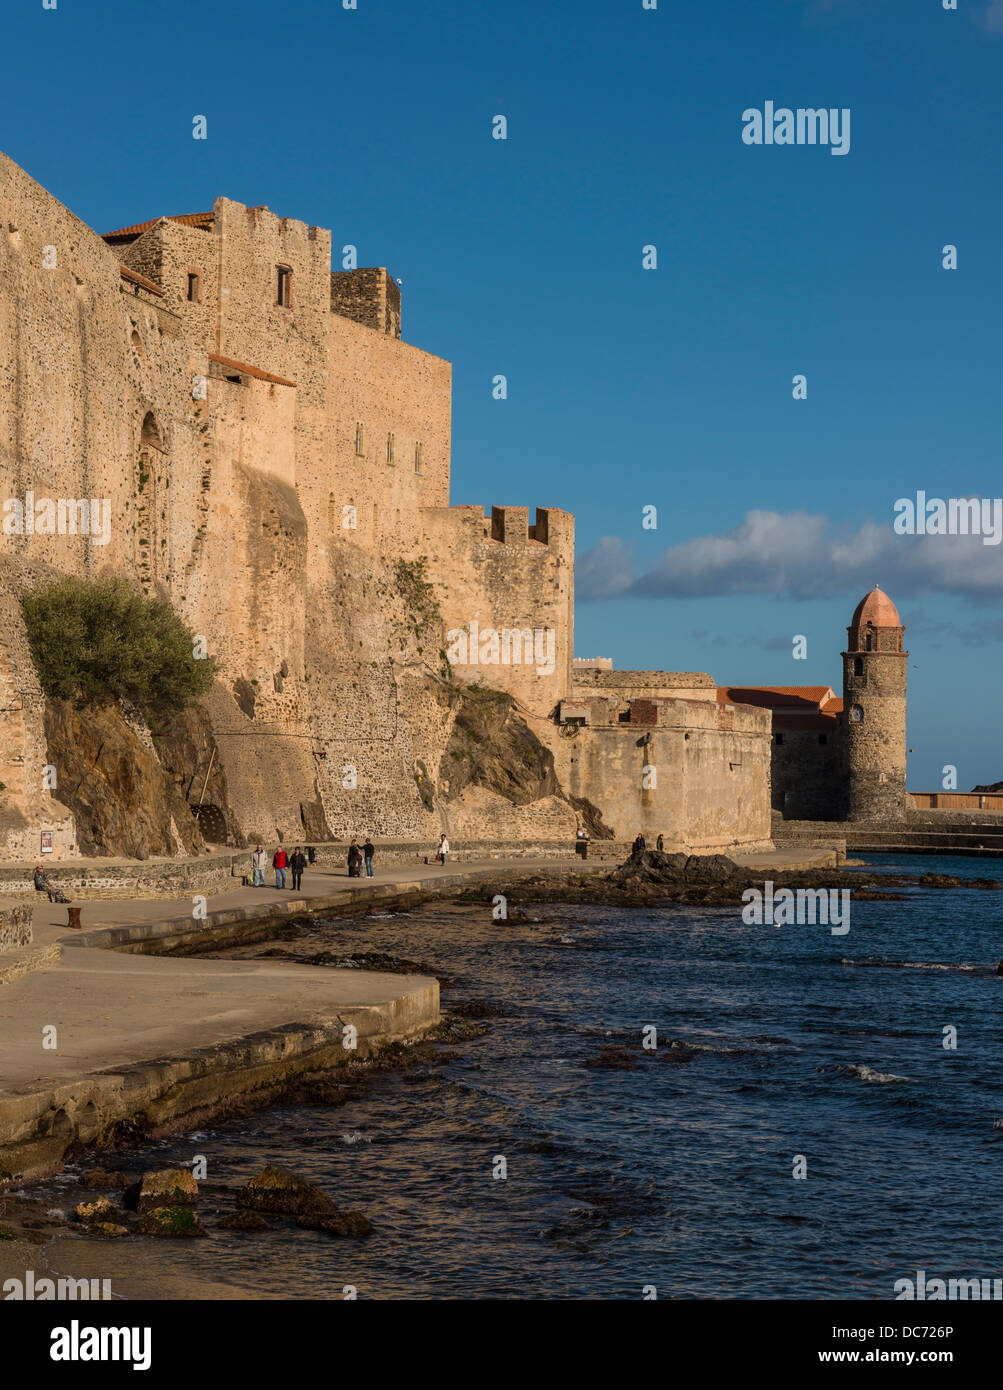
(443, 849)
(259, 863)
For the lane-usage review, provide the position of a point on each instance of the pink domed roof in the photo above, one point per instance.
(877, 608)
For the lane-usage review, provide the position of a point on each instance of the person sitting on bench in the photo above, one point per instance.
(45, 885)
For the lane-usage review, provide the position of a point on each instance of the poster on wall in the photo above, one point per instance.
(46, 841)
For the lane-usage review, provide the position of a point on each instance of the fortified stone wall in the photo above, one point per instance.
(711, 765)
(276, 465)
(369, 296)
(386, 401)
(499, 574)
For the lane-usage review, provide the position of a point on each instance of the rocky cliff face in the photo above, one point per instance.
(123, 800)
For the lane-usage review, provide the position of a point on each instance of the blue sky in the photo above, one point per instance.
(628, 388)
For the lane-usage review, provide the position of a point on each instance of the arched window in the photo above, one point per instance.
(151, 431)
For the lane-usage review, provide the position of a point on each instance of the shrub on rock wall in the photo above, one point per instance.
(103, 640)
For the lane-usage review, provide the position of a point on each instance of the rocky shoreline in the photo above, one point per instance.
(652, 879)
(109, 1204)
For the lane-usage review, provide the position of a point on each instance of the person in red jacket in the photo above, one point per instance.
(279, 865)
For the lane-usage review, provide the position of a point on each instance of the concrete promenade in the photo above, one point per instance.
(163, 1040)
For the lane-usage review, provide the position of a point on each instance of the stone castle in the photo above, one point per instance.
(273, 459)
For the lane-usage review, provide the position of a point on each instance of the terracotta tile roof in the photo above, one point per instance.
(236, 366)
(202, 220)
(833, 706)
(141, 280)
(790, 697)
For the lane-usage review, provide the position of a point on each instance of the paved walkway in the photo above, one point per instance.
(331, 882)
(131, 1030)
(321, 884)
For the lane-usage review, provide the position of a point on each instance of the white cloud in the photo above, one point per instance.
(605, 571)
(801, 556)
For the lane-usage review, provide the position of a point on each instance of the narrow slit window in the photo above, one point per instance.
(417, 457)
(284, 287)
(360, 439)
(194, 287)
(390, 447)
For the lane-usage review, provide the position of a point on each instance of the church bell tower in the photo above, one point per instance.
(874, 712)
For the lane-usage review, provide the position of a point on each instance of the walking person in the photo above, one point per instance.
(259, 863)
(660, 843)
(639, 846)
(279, 861)
(296, 865)
(443, 849)
(368, 850)
(354, 860)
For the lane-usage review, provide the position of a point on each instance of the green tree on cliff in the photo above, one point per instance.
(103, 640)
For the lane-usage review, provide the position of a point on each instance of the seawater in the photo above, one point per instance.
(676, 1175)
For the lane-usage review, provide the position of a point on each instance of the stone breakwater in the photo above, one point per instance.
(42, 1125)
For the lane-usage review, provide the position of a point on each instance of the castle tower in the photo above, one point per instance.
(874, 712)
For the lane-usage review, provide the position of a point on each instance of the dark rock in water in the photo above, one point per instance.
(282, 1193)
(368, 960)
(102, 1177)
(109, 1229)
(453, 1029)
(322, 1091)
(174, 1223)
(342, 1223)
(868, 895)
(244, 1221)
(652, 866)
(477, 1008)
(990, 883)
(999, 968)
(940, 881)
(613, 1059)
